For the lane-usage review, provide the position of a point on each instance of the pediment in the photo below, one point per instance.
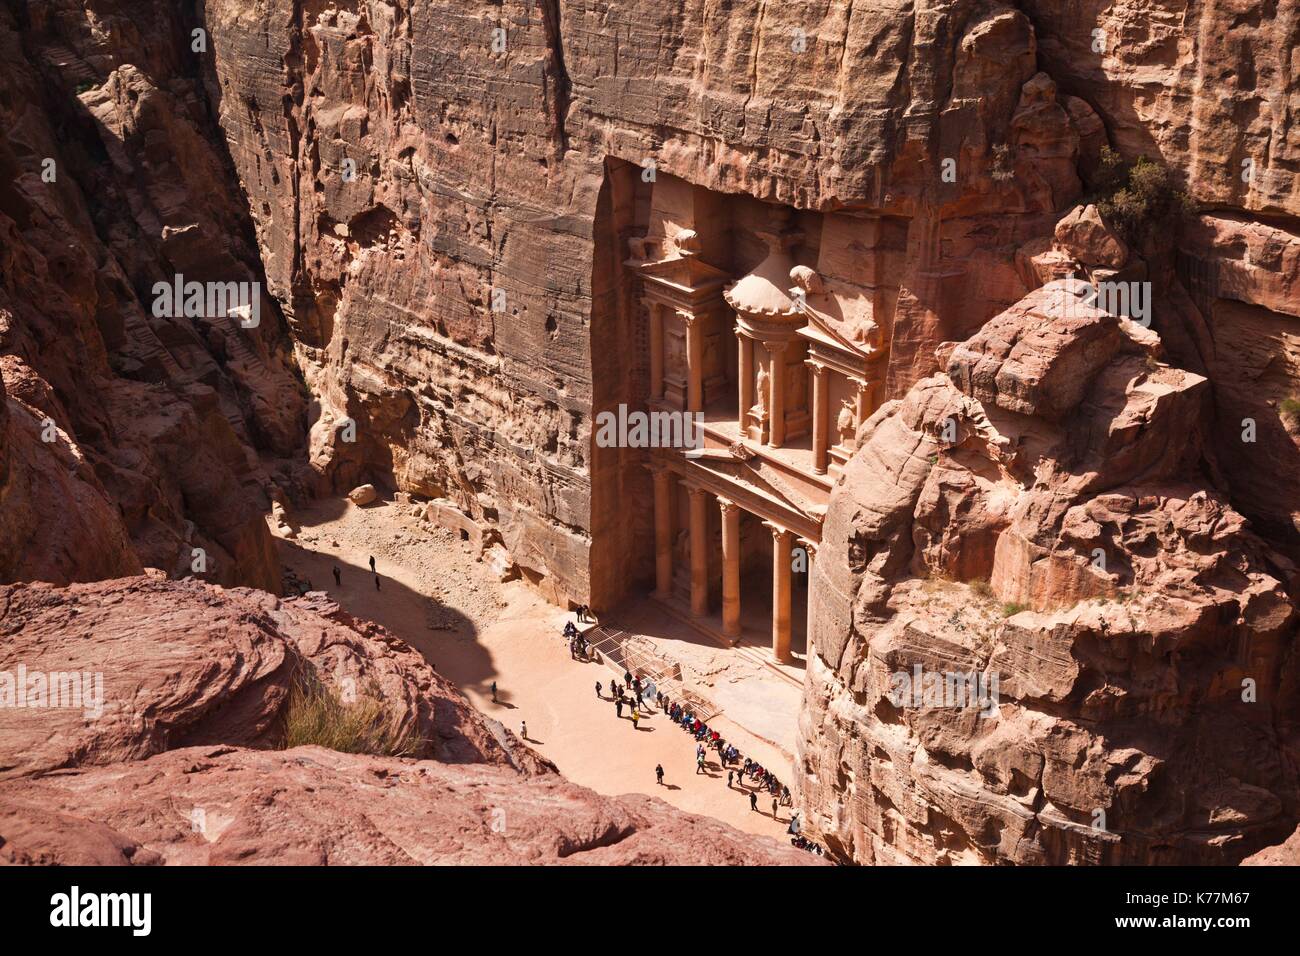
(760, 478)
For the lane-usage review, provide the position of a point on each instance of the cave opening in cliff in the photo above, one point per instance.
(766, 325)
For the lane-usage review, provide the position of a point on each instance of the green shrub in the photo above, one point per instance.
(980, 587)
(315, 714)
(1291, 410)
(1136, 200)
(1012, 608)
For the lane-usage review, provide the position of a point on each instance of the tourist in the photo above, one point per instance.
(598, 693)
(627, 676)
(372, 565)
(729, 773)
(494, 692)
(338, 577)
(753, 802)
(636, 715)
(774, 808)
(618, 705)
(699, 762)
(659, 773)
(523, 731)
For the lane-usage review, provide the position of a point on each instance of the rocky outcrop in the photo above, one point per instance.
(183, 663)
(170, 759)
(313, 807)
(1035, 517)
(1284, 854)
(141, 430)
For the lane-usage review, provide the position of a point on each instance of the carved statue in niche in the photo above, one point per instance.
(846, 424)
(682, 548)
(675, 353)
(760, 389)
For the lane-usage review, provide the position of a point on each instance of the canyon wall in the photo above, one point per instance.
(132, 439)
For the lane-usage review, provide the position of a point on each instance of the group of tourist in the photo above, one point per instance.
(631, 694)
(577, 643)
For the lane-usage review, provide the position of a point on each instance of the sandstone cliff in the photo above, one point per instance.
(132, 439)
(174, 768)
(1035, 515)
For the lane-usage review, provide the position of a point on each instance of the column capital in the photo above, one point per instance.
(818, 367)
(693, 488)
(727, 506)
(776, 529)
(808, 545)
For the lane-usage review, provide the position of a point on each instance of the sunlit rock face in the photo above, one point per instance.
(1035, 515)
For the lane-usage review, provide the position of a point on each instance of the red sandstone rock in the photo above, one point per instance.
(1284, 854)
(190, 669)
(1061, 538)
(185, 663)
(313, 807)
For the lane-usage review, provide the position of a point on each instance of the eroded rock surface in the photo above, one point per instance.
(1037, 515)
(176, 766)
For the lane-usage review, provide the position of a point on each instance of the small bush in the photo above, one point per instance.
(1291, 411)
(315, 714)
(1136, 200)
(980, 587)
(1013, 607)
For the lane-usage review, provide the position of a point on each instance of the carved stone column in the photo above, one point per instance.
(694, 362)
(730, 568)
(656, 350)
(811, 548)
(746, 376)
(781, 542)
(699, 552)
(820, 416)
(776, 400)
(663, 531)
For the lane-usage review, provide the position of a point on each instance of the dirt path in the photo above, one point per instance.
(475, 630)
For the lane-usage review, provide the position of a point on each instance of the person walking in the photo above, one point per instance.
(372, 565)
(523, 732)
(494, 692)
(598, 693)
(729, 773)
(753, 801)
(338, 577)
(774, 808)
(699, 763)
(618, 706)
(659, 773)
(636, 715)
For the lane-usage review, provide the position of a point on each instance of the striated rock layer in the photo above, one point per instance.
(168, 763)
(1035, 516)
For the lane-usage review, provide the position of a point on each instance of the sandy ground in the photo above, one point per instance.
(437, 596)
